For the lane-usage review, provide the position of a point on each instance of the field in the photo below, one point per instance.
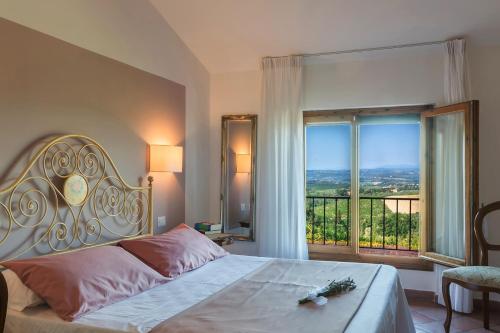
(384, 216)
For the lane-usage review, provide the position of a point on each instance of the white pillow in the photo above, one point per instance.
(20, 296)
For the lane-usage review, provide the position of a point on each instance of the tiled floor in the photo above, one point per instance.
(429, 318)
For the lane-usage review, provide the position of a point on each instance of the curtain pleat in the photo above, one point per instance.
(281, 199)
(456, 81)
(451, 204)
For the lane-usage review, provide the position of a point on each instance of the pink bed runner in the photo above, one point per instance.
(266, 300)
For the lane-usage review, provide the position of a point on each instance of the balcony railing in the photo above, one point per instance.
(387, 223)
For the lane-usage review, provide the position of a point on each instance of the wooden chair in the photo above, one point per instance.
(481, 278)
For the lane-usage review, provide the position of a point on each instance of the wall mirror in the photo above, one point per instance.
(239, 143)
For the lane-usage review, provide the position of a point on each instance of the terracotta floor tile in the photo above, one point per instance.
(434, 327)
(466, 323)
(494, 318)
(482, 330)
(429, 318)
(423, 304)
(419, 318)
(435, 313)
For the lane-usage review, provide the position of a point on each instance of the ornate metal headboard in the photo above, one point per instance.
(70, 196)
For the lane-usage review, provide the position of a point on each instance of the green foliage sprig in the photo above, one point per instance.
(334, 288)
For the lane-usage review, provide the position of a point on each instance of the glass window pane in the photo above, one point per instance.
(328, 188)
(389, 185)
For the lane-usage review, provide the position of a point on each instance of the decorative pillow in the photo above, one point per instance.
(20, 296)
(180, 250)
(83, 281)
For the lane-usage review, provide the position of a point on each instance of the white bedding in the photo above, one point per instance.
(384, 309)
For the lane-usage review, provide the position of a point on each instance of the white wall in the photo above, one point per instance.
(382, 78)
(133, 32)
(395, 77)
(485, 73)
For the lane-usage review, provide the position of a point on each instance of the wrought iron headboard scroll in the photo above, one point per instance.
(71, 196)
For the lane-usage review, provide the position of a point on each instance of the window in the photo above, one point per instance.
(391, 183)
(451, 189)
(329, 185)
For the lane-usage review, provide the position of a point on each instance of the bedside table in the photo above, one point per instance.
(221, 239)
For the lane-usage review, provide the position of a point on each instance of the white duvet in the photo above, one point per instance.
(384, 309)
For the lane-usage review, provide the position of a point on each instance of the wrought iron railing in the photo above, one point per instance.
(389, 223)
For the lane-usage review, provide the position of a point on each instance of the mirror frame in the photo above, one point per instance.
(225, 171)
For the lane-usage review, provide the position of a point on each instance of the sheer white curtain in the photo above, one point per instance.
(449, 192)
(456, 74)
(280, 199)
(449, 198)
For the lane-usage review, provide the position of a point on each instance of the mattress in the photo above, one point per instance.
(383, 310)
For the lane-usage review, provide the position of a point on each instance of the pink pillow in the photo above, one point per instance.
(83, 281)
(180, 250)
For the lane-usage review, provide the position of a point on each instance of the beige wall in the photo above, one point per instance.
(230, 93)
(133, 32)
(485, 74)
(49, 87)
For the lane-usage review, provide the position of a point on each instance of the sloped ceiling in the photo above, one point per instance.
(232, 35)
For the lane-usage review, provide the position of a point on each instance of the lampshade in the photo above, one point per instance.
(243, 163)
(165, 158)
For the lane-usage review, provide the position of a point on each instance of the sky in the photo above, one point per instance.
(395, 145)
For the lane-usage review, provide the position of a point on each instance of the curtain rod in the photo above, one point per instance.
(367, 49)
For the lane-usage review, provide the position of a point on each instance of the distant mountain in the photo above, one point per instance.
(386, 179)
(396, 166)
(384, 167)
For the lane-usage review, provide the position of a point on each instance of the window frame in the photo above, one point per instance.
(351, 253)
(471, 157)
(344, 118)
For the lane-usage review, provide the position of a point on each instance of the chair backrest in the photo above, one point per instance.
(478, 231)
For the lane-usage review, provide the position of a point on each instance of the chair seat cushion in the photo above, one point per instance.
(486, 276)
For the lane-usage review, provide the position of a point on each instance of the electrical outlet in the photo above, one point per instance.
(162, 221)
(243, 207)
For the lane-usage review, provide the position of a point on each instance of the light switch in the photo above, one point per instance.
(162, 221)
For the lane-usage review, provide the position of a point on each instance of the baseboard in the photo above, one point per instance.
(494, 305)
(420, 295)
(429, 296)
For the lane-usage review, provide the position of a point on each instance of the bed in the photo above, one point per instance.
(182, 304)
